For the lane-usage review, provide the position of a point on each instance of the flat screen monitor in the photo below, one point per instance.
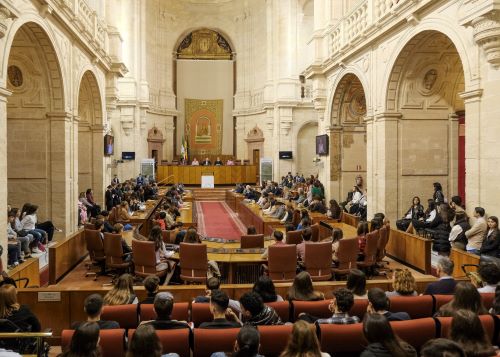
(286, 155)
(322, 144)
(109, 145)
(128, 155)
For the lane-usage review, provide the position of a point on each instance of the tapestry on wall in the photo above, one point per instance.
(204, 126)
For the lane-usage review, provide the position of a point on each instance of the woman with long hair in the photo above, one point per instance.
(337, 235)
(382, 340)
(246, 345)
(11, 310)
(438, 195)
(192, 236)
(416, 211)
(468, 332)
(303, 342)
(334, 211)
(441, 232)
(302, 289)
(156, 236)
(466, 298)
(122, 293)
(84, 342)
(403, 283)
(361, 232)
(495, 309)
(145, 342)
(491, 241)
(431, 219)
(265, 288)
(356, 283)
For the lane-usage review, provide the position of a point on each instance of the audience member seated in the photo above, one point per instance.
(230, 162)
(84, 341)
(17, 227)
(266, 290)
(145, 342)
(163, 306)
(334, 211)
(337, 235)
(123, 213)
(19, 315)
(490, 276)
(151, 285)
(301, 196)
(206, 162)
(12, 235)
(247, 344)
(356, 283)
(495, 309)
(378, 303)
(441, 347)
(317, 205)
(218, 162)
(342, 302)
(446, 284)
(28, 226)
(466, 297)
(491, 242)
(457, 236)
(301, 247)
(213, 284)
(415, 212)
(468, 332)
(122, 292)
(219, 302)
(251, 230)
(403, 284)
(361, 232)
(93, 308)
(431, 219)
(305, 220)
(162, 254)
(118, 227)
(383, 342)
(195, 162)
(477, 232)
(303, 342)
(254, 312)
(302, 289)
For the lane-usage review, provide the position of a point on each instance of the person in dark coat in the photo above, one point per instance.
(378, 303)
(108, 197)
(415, 212)
(446, 284)
(441, 233)
(491, 242)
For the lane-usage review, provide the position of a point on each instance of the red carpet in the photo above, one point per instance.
(217, 220)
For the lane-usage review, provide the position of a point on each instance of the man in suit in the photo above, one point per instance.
(206, 162)
(446, 284)
(378, 303)
(115, 180)
(108, 196)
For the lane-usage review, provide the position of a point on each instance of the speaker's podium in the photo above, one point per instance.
(207, 179)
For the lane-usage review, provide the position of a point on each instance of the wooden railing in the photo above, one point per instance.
(410, 249)
(65, 255)
(461, 257)
(350, 219)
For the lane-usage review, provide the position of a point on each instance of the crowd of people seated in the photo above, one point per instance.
(448, 225)
(134, 191)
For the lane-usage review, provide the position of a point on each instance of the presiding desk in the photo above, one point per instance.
(223, 175)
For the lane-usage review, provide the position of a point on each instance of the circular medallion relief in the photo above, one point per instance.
(15, 76)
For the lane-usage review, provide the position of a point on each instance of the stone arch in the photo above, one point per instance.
(37, 146)
(155, 144)
(90, 136)
(255, 141)
(218, 31)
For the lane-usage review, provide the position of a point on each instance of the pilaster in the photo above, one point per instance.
(4, 94)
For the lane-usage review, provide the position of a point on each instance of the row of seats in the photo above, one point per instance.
(337, 340)
(129, 316)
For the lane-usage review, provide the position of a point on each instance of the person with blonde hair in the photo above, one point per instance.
(11, 310)
(122, 293)
(303, 342)
(403, 283)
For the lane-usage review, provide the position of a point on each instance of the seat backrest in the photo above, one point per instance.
(168, 236)
(172, 341)
(347, 253)
(318, 309)
(117, 214)
(193, 259)
(415, 332)
(488, 299)
(371, 248)
(488, 322)
(94, 244)
(113, 248)
(359, 308)
(440, 300)
(112, 342)
(382, 242)
(416, 306)
(126, 315)
(318, 259)
(273, 339)
(200, 312)
(294, 237)
(144, 256)
(252, 241)
(179, 312)
(344, 339)
(111, 217)
(296, 218)
(282, 308)
(315, 232)
(208, 341)
(282, 262)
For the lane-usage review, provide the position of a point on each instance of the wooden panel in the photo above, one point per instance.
(350, 219)
(30, 270)
(65, 255)
(460, 257)
(410, 248)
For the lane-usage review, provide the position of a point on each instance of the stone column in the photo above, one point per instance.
(371, 178)
(4, 94)
(453, 155)
(284, 140)
(168, 147)
(98, 167)
(333, 164)
(241, 146)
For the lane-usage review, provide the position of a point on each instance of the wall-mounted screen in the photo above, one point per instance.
(322, 144)
(128, 155)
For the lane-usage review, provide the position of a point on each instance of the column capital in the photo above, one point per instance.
(471, 96)
(60, 116)
(388, 116)
(4, 94)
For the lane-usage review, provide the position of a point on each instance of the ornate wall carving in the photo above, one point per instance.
(204, 44)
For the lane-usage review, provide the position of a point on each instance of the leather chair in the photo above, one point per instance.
(200, 312)
(89, 226)
(316, 308)
(114, 252)
(126, 315)
(347, 340)
(415, 332)
(382, 243)
(282, 262)
(193, 260)
(370, 253)
(112, 342)
(252, 241)
(111, 217)
(179, 312)
(359, 308)
(95, 247)
(488, 299)
(348, 255)
(488, 322)
(315, 232)
(208, 341)
(172, 341)
(273, 339)
(145, 259)
(440, 300)
(293, 237)
(282, 308)
(318, 260)
(416, 306)
(168, 236)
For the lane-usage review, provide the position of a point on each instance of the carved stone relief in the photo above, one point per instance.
(204, 44)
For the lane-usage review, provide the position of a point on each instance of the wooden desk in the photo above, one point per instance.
(141, 216)
(410, 249)
(233, 199)
(251, 215)
(30, 270)
(223, 175)
(460, 257)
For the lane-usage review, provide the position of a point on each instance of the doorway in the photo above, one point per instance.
(256, 162)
